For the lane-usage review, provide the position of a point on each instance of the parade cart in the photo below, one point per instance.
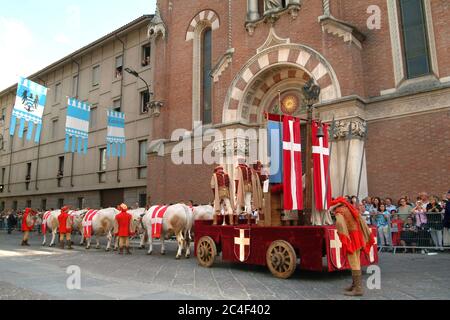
(315, 244)
(281, 249)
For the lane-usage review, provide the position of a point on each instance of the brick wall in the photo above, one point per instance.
(409, 155)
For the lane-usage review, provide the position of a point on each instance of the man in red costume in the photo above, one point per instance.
(355, 236)
(123, 228)
(221, 187)
(28, 221)
(65, 227)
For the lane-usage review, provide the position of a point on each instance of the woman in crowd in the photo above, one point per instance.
(354, 201)
(404, 209)
(419, 214)
(409, 235)
(435, 222)
(382, 219)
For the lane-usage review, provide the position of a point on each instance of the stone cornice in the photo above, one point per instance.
(342, 29)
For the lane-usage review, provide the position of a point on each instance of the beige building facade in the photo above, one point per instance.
(42, 175)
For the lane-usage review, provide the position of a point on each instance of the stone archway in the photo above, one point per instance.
(287, 62)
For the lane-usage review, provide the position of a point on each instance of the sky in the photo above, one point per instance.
(36, 33)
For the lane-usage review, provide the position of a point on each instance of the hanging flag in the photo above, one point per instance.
(275, 147)
(29, 107)
(321, 157)
(292, 164)
(77, 126)
(115, 139)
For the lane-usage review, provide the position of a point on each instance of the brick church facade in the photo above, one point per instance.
(383, 69)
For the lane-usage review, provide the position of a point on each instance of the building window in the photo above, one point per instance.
(28, 203)
(24, 140)
(206, 77)
(415, 40)
(54, 129)
(2, 206)
(57, 96)
(102, 166)
(3, 175)
(3, 118)
(95, 76)
(119, 67)
(142, 200)
(75, 86)
(93, 118)
(60, 203)
(61, 166)
(80, 203)
(28, 176)
(117, 105)
(146, 52)
(15, 205)
(43, 204)
(142, 174)
(145, 100)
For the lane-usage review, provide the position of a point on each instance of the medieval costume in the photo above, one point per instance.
(244, 189)
(258, 179)
(65, 228)
(355, 236)
(123, 228)
(28, 221)
(223, 202)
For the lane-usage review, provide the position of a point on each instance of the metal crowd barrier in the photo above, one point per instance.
(425, 235)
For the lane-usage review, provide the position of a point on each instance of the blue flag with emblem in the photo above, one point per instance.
(275, 148)
(115, 139)
(77, 126)
(28, 109)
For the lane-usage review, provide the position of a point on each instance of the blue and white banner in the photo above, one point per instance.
(275, 141)
(29, 108)
(77, 126)
(115, 138)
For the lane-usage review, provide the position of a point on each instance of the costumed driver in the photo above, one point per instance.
(123, 228)
(223, 202)
(28, 221)
(355, 236)
(65, 228)
(258, 179)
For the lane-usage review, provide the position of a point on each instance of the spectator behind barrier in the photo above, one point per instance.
(382, 219)
(409, 235)
(396, 228)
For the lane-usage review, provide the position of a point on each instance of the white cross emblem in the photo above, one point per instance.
(336, 244)
(322, 152)
(242, 242)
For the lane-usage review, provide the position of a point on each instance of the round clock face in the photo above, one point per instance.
(289, 104)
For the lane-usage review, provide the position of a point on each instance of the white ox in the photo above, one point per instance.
(102, 225)
(178, 221)
(202, 213)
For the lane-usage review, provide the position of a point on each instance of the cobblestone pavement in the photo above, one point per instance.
(40, 273)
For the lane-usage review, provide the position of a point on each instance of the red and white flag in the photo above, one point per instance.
(157, 214)
(321, 163)
(44, 221)
(292, 164)
(87, 223)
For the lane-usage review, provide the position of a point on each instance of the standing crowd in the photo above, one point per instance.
(422, 223)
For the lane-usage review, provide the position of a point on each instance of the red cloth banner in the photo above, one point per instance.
(87, 223)
(44, 221)
(292, 164)
(157, 215)
(321, 163)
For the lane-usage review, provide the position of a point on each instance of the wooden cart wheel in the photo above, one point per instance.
(206, 252)
(281, 259)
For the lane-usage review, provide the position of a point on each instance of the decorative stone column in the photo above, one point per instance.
(348, 162)
(252, 10)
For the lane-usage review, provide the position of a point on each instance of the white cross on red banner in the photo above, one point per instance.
(321, 162)
(292, 164)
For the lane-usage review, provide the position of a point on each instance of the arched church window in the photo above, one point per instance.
(206, 102)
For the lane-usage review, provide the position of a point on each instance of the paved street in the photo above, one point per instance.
(40, 273)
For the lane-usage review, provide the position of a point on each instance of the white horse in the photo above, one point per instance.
(178, 221)
(102, 225)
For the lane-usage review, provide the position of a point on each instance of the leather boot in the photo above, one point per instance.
(62, 244)
(128, 250)
(357, 288)
(120, 250)
(69, 245)
(23, 243)
(26, 243)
